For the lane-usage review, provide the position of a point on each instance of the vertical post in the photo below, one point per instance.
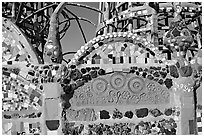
(35, 8)
(13, 12)
(106, 16)
(116, 13)
(130, 21)
(154, 29)
(110, 29)
(43, 124)
(100, 8)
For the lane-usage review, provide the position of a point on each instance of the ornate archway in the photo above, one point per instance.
(126, 43)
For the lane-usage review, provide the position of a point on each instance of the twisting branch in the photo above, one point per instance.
(85, 6)
(47, 23)
(125, 26)
(19, 12)
(69, 52)
(65, 29)
(78, 24)
(80, 18)
(40, 10)
(106, 25)
(66, 26)
(65, 61)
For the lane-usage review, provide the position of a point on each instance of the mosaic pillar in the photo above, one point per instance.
(52, 107)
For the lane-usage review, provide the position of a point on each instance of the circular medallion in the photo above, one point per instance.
(89, 94)
(136, 84)
(117, 80)
(112, 93)
(82, 96)
(99, 85)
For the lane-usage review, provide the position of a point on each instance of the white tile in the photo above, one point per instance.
(198, 114)
(36, 99)
(26, 105)
(117, 69)
(52, 132)
(23, 74)
(88, 61)
(26, 87)
(10, 95)
(199, 124)
(109, 70)
(32, 86)
(19, 47)
(13, 75)
(54, 73)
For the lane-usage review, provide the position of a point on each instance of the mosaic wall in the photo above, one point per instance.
(122, 78)
(120, 89)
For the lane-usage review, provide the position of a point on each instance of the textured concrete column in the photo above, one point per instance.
(187, 112)
(52, 106)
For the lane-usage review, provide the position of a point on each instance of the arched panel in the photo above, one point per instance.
(15, 47)
(115, 48)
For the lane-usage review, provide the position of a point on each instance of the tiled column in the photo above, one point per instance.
(51, 102)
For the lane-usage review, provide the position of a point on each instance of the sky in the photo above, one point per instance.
(73, 39)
